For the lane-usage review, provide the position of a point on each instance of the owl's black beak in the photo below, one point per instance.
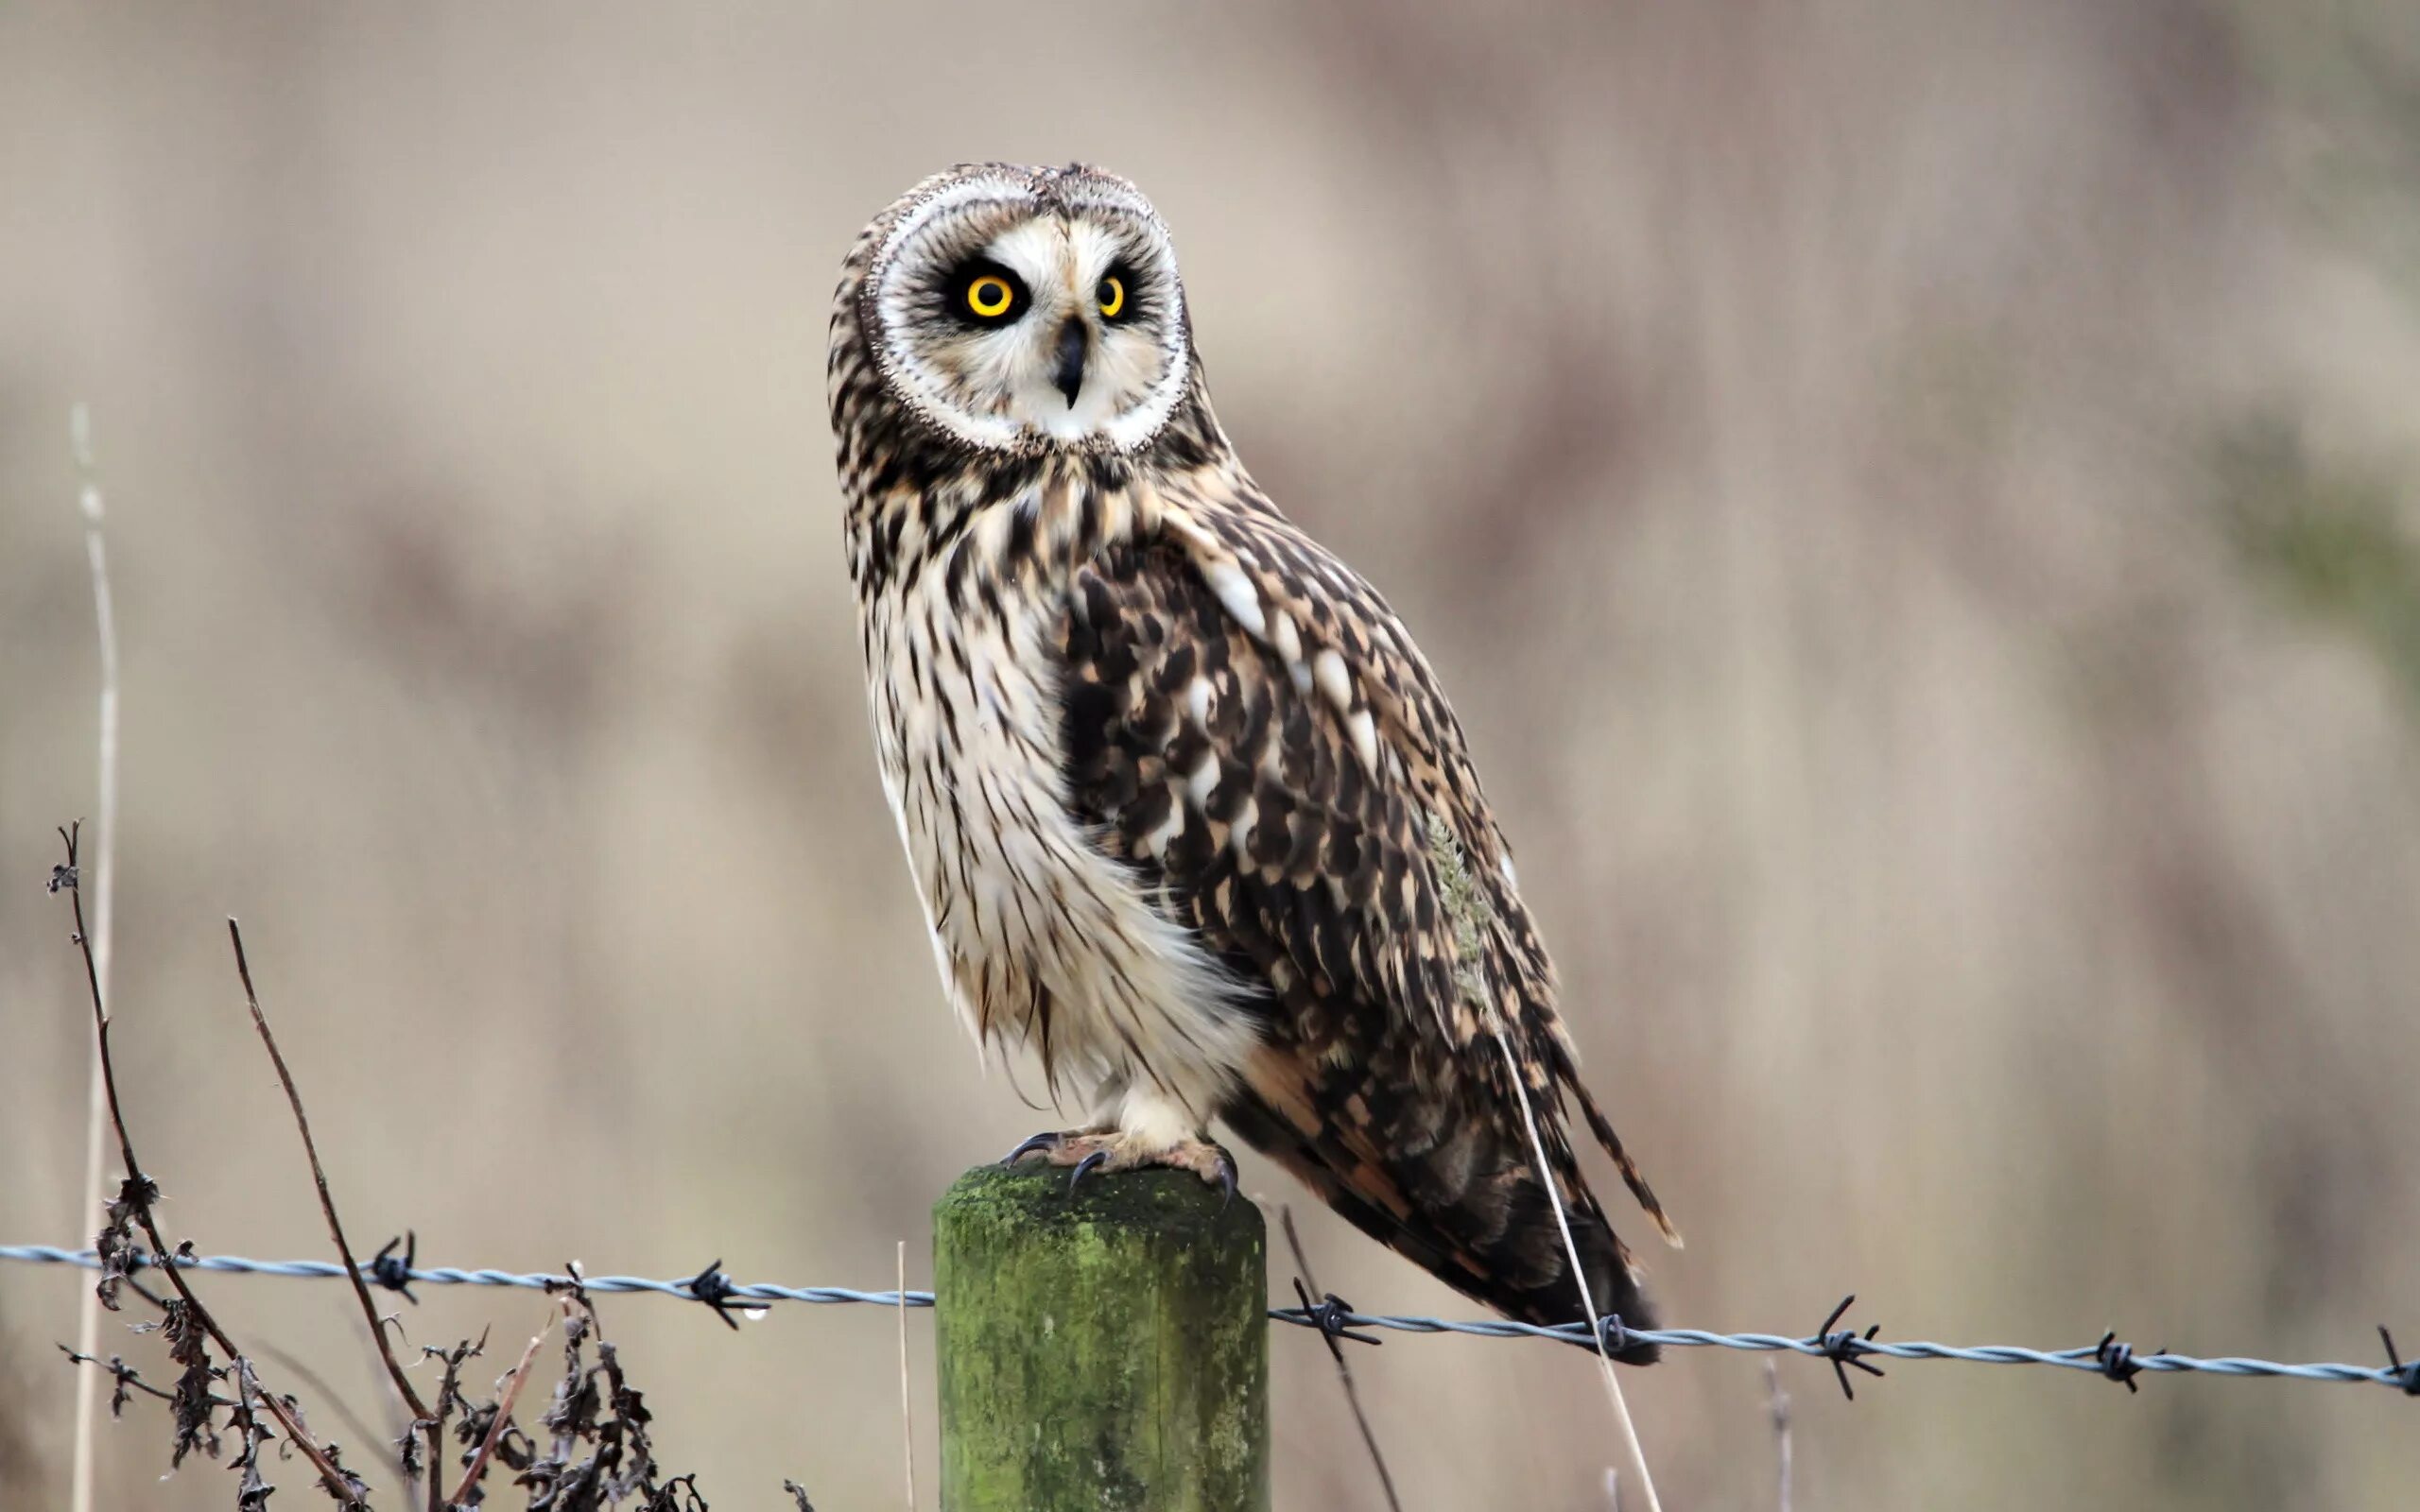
(1070, 376)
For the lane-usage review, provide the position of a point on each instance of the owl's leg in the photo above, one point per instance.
(1135, 1128)
(1104, 1119)
(1105, 1100)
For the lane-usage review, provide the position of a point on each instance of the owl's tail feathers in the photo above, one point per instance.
(1471, 1209)
(1618, 1295)
(1613, 1283)
(1602, 1127)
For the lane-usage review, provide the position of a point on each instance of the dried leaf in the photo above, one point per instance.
(121, 1252)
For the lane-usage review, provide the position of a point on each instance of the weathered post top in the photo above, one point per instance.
(1104, 1349)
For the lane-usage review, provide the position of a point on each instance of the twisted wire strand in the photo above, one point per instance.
(452, 1276)
(2089, 1358)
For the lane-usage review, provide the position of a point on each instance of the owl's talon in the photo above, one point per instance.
(1085, 1167)
(1089, 1150)
(1047, 1140)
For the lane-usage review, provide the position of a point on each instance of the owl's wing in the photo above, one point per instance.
(1251, 729)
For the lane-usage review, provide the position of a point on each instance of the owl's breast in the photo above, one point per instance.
(1040, 935)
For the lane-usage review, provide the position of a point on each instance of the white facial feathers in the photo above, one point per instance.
(1081, 342)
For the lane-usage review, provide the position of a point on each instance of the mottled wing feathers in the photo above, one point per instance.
(1351, 876)
(1212, 769)
(1313, 610)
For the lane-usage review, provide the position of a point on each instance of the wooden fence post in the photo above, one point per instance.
(1106, 1348)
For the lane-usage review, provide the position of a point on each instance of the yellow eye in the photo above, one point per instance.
(1111, 295)
(990, 296)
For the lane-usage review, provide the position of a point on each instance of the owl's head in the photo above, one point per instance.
(1023, 309)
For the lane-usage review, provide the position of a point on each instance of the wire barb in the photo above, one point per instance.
(712, 1287)
(1612, 1336)
(2117, 1361)
(1845, 1348)
(1333, 1316)
(2407, 1376)
(393, 1271)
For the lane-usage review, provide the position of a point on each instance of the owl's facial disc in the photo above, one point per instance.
(1022, 311)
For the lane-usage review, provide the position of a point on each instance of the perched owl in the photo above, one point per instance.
(1188, 813)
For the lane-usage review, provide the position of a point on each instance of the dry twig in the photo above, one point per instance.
(285, 1360)
(1343, 1367)
(431, 1425)
(601, 1456)
(1637, 1454)
(478, 1465)
(127, 1380)
(135, 1198)
(1779, 1402)
(88, 1316)
(907, 1398)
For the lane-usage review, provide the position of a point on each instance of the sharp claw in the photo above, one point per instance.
(1039, 1142)
(1226, 1180)
(1085, 1167)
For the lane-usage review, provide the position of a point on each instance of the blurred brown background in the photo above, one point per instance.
(1916, 504)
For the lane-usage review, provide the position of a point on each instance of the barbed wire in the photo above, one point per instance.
(1841, 1347)
(397, 1278)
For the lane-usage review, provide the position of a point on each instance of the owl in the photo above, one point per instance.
(1188, 814)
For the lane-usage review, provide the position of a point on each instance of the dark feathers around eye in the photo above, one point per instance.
(962, 278)
(1146, 279)
(1137, 293)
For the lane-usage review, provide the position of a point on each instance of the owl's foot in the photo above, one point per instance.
(1110, 1150)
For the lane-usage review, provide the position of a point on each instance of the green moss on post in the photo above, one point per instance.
(1104, 1350)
